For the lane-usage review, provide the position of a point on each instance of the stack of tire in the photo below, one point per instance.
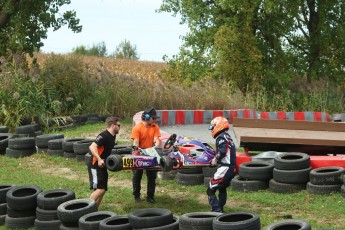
(290, 173)
(81, 148)
(21, 147)
(55, 147)
(325, 180)
(67, 146)
(190, 176)
(237, 221)
(47, 204)
(21, 206)
(71, 211)
(4, 137)
(93, 118)
(31, 130)
(208, 173)
(289, 224)
(42, 141)
(91, 221)
(252, 176)
(4, 188)
(153, 218)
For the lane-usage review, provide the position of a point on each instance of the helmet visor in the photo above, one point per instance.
(211, 127)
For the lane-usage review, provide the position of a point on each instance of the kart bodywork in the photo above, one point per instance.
(166, 159)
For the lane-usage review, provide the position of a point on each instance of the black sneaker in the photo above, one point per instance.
(137, 199)
(150, 200)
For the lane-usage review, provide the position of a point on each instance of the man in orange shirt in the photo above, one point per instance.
(145, 135)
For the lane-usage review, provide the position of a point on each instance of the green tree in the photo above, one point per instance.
(126, 50)
(260, 41)
(23, 24)
(99, 50)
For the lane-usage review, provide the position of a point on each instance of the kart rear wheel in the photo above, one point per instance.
(114, 163)
(166, 163)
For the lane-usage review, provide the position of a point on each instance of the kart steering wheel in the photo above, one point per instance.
(170, 142)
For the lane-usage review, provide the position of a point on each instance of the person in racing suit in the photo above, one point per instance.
(225, 159)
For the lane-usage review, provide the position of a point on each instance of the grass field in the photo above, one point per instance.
(48, 172)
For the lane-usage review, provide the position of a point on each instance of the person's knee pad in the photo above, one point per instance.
(210, 192)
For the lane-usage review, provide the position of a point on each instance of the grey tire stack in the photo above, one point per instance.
(55, 147)
(4, 137)
(46, 211)
(67, 146)
(21, 206)
(81, 148)
(42, 141)
(190, 176)
(71, 211)
(325, 180)
(252, 176)
(4, 188)
(32, 130)
(290, 173)
(21, 147)
(197, 220)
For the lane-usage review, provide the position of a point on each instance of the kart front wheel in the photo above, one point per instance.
(114, 163)
(166, 163)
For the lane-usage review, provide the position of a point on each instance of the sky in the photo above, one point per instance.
(113, 21)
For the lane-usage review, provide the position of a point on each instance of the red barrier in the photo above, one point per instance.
(165, 117)
(299, 116)
(247, 113)
(180, 117)
(264, 115)
(233, 114)
(198, 116)
(217, 113)
(281, 115)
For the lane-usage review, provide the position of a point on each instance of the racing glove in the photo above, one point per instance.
(214, 162)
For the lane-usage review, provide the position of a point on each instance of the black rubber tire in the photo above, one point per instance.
(70, 211)
(209, 171)
(289, 224)
(326, 175)
(47, 225)
(46, 215)
(292, 161)
(114, 163)
(299, 176)
(192, 170)
(69, 154)
(342, 190)
(115, 223)
(51, 199)
(3, 190)
(243, 185)
(14, 213)
(20, 223)
(172, 226)
(285, 188)
(18, 153)
(189, 179)
(82, 147)
(197, 220)
(41, 150)
(150, 217)
(2, 219)
(42, 140)
(23, 197)
(323, 189)
(3, 129)
(22, 143)
(166, 163)
(4, 137)
(55, 144)
(91, 221)
(3, 209)
(67, 144)
(237, 221)
(256, 171)
(27, 129)
(69, 226)
(122, 149)
(166, 175)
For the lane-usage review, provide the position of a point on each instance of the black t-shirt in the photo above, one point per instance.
(106, 143)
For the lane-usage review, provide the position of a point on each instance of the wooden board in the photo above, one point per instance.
(290, 136)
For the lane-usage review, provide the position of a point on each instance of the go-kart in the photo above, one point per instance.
(167, 158)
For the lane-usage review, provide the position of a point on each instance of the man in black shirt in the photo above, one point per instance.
(100, 150)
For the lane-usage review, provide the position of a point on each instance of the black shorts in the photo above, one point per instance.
(98, 178)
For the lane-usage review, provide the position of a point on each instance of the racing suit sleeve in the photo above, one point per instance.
(222, 148)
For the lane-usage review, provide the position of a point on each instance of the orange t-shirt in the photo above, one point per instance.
(145, 134)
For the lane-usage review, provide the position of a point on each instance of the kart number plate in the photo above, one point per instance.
(127, 162)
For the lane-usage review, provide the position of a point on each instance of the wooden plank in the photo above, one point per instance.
(287, 124)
